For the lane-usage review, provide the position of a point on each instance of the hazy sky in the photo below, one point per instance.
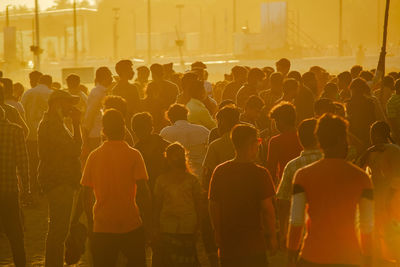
(30, 3)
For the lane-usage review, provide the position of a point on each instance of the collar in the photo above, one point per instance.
(181, 122)
(307, 152)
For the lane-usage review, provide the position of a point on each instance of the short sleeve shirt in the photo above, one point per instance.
(239, 189)
(112, 171)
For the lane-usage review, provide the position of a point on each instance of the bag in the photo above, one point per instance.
(75, 243)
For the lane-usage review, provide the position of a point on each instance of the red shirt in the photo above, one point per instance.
(282, 148)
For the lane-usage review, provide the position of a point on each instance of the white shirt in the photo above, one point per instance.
(193, 137)
(92, 121)
(35, 102)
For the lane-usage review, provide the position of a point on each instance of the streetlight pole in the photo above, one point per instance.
(380, 70)
(234, 16)
(340, 45)
(116, 37)
(149, 32)
(7, 16)
(75, 37)
(38, 50)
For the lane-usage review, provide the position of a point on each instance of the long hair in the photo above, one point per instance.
(175, 155)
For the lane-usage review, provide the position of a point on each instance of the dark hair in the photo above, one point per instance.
(242, 135)
(324, 105)
(359, 86)
(276, 79)
(306, 133)
(101, 74)
(331, 88)
(226, 102)
(73, 80)
(46, 80)
(255, 74)
(290, 85)
(355, 71)
(282, 63)
(388, 81)
(34, 76)
(228, 116)
(143, 70)
(1, 94)
(175, 154)
(295, 75)
(142, 123)
(397, 86)
(310, 81)
(122, 66)
(340, 109)
(7, 87)
(197, 89)
(284, 112)
(381, 129)
(157, 70)
(330, 130)
(188, 80)
(254, 102)
(239, 72)
(345, 77)
(366, 75)
(113, 125)
(177, 112)
(117, 103)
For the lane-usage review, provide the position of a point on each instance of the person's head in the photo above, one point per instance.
(56, 85)
(239, 74)
(197, 90)
(295, 75)
(324, 105)
(309, 80)
(104, 77)
(366, 75)
(124, 69)
(114, 125)
(198, 65)
(157, 71)
(395, 75)
(359, 87)
(388, 82)
(177, 112)
(344, 80)
(175, 155)
(168, 70)
(116, 102)
(255, 76)
(340, 109)
(143, 73)
(290, 88)
(34, 77)
(188, 81)
(284, 115)
(1, 94)
(276, 82)
(227, 118)
(283, 66)
(331, 91)
(253, 107)
(18, 90)
(46, 80)
(62, 102)
(355, 71)
(73, 82)
(246, 142)
(142, 125)
(306, 133)
(225, 103)
(8, 87)
(332, 136)
(380, 133)
(397, 87)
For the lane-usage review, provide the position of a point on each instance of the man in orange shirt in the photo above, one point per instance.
(332, 189)
(113, 172)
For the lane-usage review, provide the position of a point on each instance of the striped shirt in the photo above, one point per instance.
(393, 108)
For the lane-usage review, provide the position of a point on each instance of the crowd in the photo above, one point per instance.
(266, 161)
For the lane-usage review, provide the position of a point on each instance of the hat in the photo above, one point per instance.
(198, 65)
(61, 94)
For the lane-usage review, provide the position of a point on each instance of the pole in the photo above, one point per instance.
(37, 55)
(380, 71)
(7, 17)
(75, 37)
(134, 32)
(234, 16)
(149, 32)
(340, 44)
(115, 36)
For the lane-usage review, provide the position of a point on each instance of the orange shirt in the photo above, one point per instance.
(112, 171)
(333, 188)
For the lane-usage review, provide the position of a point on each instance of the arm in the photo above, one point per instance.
(88, 203)
(22, 162)
(366, 207)
(23, 125)
(94, 105)
(207, 120)
(144, 203)
(272, 160)
(214, 210)
(268, 217)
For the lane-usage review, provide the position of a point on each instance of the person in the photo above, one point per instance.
(252, 87)
(160, 95)
(290, 91)
(59, 169)
(331, 238)
(13, 160)
(304, 101)
(35, 102)
(361, 111)
(193, 137)
(198, 112)
(142, 80)
(18, 91)
(239, 74)
(385, 92)
(283, 66)
(331, 91)
(355, 71)
(382, 161)
(393, 112)
(324, 105)
(310, 154)
(252, 111)
(177, 200)
(214, 133)
(119, 104)
(240, 202)
(56, 86)
(9, 99)
(218, 151)
(285, 146)
(114, 177)
(73, 87)
(271, 96)
(150, 145)
(125, 89)
(91, 125)
(188, 80)
(344, 80)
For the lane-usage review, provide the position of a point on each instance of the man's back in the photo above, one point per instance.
(333, 189)
(231, 90)
(304, 103)
(129, 92)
